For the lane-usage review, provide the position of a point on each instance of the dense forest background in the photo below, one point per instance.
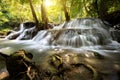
(14, 12)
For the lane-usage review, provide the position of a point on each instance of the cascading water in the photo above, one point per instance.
(79, 34)
(76, 33)
(25, 32)
(83, 37)
(16, 33)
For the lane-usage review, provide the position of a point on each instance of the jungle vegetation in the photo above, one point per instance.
(14, 12)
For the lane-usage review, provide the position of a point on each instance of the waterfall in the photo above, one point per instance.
(16, 33)
(43, 37)
(25, 32)
(76, 33)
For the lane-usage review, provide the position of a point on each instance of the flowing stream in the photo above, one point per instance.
(80, 36)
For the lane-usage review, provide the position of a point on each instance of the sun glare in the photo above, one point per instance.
(48, 3)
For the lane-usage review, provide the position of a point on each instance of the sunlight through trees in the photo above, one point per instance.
(17, 11)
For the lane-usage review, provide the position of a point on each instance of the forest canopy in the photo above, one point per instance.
(14, 12)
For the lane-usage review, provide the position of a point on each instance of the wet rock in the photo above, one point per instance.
(117, 27)
(20, 66)
(60, 65)
(115, 33)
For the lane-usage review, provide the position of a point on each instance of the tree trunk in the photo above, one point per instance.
(63, 2)
(34, 16)
(103, 8)
(96, 6)
(44, 15)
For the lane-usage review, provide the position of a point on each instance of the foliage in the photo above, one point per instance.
(16, 11)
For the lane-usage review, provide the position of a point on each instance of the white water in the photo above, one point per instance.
(77, 35)
(16, 32)
(26, 34)
(23, 33)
